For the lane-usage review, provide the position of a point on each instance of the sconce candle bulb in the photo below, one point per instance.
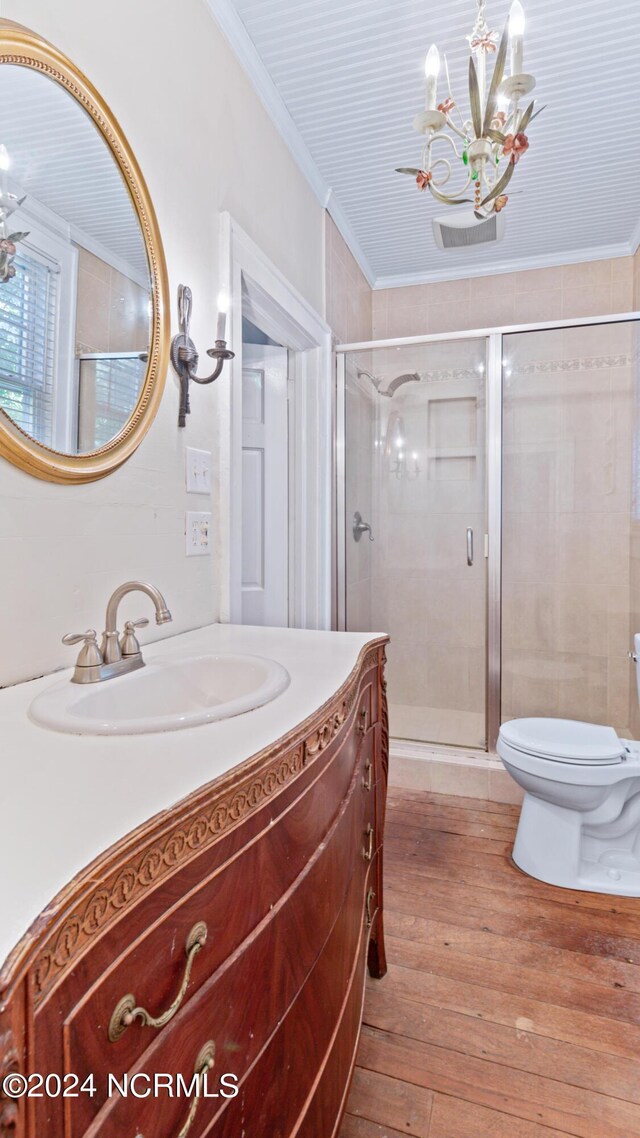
(223, 308)
(184, 356)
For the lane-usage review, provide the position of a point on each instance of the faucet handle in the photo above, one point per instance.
(129, 645)
(89, 655)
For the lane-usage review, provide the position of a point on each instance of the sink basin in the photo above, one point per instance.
(166, 695)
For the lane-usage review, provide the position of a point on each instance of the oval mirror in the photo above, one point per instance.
(83, 341)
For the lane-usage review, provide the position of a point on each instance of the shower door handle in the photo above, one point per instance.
(359, 527)
(469, 546)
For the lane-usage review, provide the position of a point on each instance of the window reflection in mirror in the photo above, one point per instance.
(75, 302)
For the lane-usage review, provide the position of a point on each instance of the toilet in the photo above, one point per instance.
(579, 826)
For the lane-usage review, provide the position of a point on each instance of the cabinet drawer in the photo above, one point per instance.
(289, 936)
(319, 1033)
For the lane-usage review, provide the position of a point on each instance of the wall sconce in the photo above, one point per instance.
(184, 356)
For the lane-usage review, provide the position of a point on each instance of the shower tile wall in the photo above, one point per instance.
(348, 296)
(568, 531)
(593, 288)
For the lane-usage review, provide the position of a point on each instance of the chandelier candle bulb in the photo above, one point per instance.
(223, 305)
(516, 35)
(432, 70)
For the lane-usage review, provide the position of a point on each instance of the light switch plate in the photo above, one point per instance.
(198, 532)
(197, 468)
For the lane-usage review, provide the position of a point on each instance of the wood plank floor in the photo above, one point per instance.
(511, 1009)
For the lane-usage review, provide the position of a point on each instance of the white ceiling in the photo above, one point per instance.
(344, 78)
(60, 159)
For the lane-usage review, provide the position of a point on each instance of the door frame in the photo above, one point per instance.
(255, 285)
(494, 338)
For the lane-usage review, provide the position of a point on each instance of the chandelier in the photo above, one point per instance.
(487, 146)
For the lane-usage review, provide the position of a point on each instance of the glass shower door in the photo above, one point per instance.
(414, 530)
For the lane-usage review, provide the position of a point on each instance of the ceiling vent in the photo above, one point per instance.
(464, 229)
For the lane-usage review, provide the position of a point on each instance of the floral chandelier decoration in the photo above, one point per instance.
(488, 145)
(8, 203)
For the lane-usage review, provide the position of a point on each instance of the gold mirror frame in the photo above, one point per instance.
(24, 48)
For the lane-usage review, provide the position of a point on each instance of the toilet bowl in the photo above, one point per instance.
(579, 826)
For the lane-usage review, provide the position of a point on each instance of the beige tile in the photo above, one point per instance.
(411, 774)
(586, 301)
(89, 263)
(93, 312)
(538, 280)
(457, 778)
(531, 307)
(622, 270)
(588, 274)
(411, 296)
(407, 321)
(579, 619)
(502, 788)
(619, 693)
(448, 317)
(622, 297)
(620, 636)
(491, 309)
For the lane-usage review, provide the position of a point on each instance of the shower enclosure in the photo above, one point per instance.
(488, 519)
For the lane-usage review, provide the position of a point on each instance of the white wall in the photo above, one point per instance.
(204, 144)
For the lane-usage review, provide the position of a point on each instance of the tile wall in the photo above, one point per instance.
(591, 289)
(112, 310)
(567, 524)
(348, 295)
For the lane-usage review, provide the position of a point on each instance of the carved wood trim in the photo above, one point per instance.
(126, 886)
(9, 1065)
(384, 713)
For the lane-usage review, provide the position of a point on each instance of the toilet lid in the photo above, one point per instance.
(565, 740)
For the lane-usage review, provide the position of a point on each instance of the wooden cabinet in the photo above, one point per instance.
(228, 935)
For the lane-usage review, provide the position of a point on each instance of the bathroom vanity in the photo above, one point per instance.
(208, 901)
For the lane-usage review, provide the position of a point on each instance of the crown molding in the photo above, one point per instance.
(465, 272)
(232, 27)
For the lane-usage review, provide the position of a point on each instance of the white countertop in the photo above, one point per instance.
(66, 798)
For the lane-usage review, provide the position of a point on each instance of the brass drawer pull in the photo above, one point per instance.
(203, 1065)
(126, 1011)
(366, 779)
(370, 898)
(361, 727)
(367, 852)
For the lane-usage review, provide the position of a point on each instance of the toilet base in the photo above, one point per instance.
(552, 845)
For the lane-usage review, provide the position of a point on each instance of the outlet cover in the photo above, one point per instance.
(197, 468)
(198, 532)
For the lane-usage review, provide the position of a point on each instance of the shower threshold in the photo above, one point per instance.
(447, 726)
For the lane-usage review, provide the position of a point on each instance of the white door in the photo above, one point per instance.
(265, 486)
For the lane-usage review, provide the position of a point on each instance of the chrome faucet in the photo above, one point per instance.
(116, 654)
